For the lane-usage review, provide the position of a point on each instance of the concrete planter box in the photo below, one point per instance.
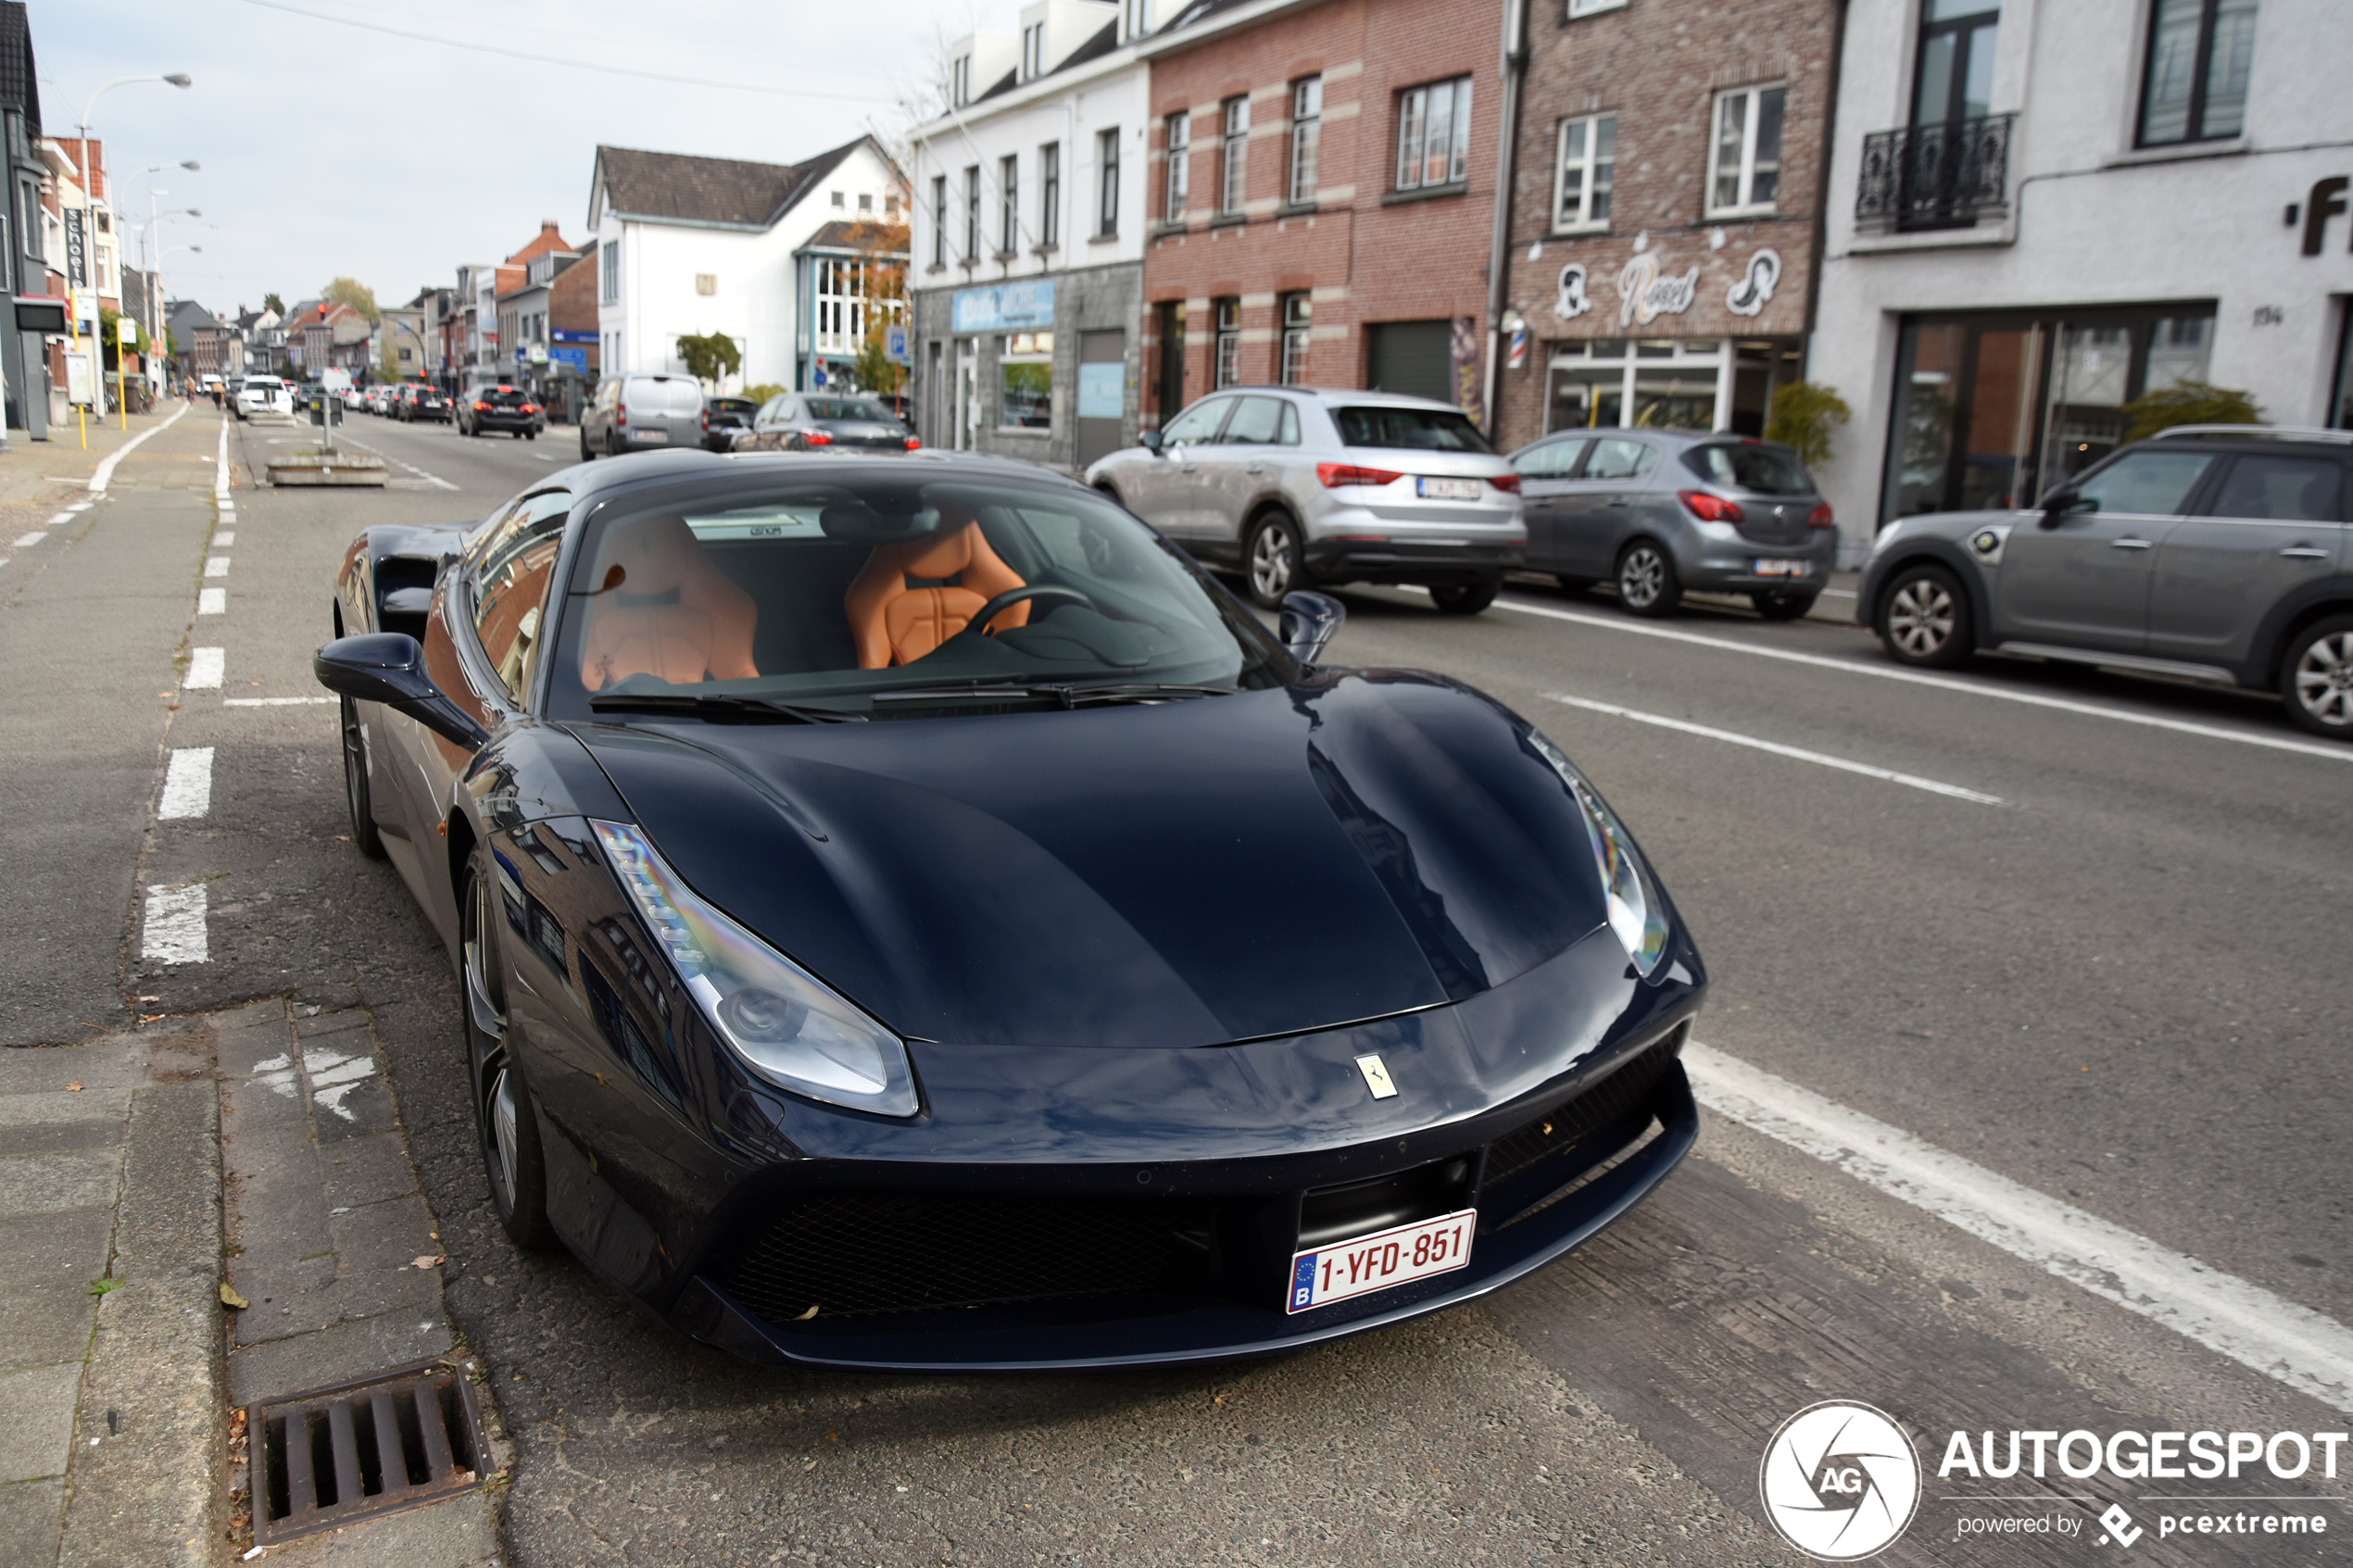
(326, 468)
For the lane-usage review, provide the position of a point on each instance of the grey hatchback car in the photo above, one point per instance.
(2214, 553)
(642, 413)
(1301, 485)
(1662, 511)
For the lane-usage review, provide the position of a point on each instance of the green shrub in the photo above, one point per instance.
(2189, 403)
(765, 390)
(1801, 416)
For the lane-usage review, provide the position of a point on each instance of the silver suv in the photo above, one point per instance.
(1660, 511)
(642, 413)
(2213, 552)
(1300, 485)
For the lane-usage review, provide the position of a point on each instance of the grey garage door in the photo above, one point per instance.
(1414, 358)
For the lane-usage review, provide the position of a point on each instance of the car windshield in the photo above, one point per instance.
(848, 408)
(855, 595)
(1424, 429)
(1768, 471)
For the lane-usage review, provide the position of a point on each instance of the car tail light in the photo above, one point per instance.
(1504, 481)
(706, 418)
(913, 443)
(531, 407)
(621, 415)
(481, 408)
(1710, 509)
(819, 438)
(1821, 517)
(1334, 475)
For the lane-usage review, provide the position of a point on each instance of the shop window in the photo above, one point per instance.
(1049, 196)
(1025, 373)
(1230, 342)
(1588, 169)
(2199, 55)
(1298, 314)
(1306, 137)
(1747, 171)
(1180, 168)
(1433, 135)
(1234, 156)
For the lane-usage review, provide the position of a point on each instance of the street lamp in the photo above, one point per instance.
(89, 236)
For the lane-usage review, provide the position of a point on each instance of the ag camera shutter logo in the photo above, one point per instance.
(1840, 1481)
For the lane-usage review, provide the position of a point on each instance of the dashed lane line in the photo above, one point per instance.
(187, 784)
(212, 601)
(26, 540)
(104, 476)
(221, 467)
(1945, 682)
(1778, 750)
(175, 927)
(224, 539)
(428, 478)
(205, 667)
(216, 566)
(2300, 1348)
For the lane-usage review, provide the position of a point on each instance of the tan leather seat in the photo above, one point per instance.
(663, 609)
(910, 598)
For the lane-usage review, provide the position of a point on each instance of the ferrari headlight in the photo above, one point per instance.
(1637, 914)
(787, 1025)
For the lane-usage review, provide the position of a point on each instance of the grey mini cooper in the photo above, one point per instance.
(1661, 511)
(2216, 553)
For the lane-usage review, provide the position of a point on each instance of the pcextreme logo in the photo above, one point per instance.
(1840, 1481)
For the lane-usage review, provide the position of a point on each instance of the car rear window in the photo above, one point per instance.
(732, 405)
(502, 397)
(848, 408)
(1421, 429)
(666, 394)
(1768, 471)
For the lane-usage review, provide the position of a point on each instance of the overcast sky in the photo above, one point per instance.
(332, 150)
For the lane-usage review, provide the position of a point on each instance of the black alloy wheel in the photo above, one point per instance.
(1646, 580)
(354, 784)
(2315, 678)
(1271, 560)
(1466, 598)
(1924, 619)
(1782, 606)
(507, 1129)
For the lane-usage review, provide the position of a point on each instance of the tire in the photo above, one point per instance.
(585, 455)
(516, 433)
(1271, 560)
(356, 793)
(2315, 678)
(1782, 606)
(506, 1128)
(1466, 598)
(1924, 618)
(1646, 581)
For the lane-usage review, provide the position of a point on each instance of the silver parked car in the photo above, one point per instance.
(642, 413)
(1300, 485)
(1663, 511)
(2215, 553)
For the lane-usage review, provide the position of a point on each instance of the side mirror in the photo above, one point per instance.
(2063, 502)
(388, 667)
(1308, 621)
(1149, 439)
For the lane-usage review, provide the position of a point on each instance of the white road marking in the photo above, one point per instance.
(216, 566)
(1838, 592)
(1914, 779)
(205, 667)
(334, 1075)
(212, 601)
(543, 457)
(59, 521)
(99, 481)
(2309, 1352)
(272, 701)
(26, 540)
(226, 539)
(428, 478)
(1913, 677)
(175, 926)
(188, 784)
(221, 467)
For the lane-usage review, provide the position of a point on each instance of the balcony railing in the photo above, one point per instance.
(1949, 175)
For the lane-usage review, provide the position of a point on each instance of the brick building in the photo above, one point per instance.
(1669, 181)
(1320, 189)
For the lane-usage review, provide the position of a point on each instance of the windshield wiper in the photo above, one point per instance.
(1067, 695)
(722, 704)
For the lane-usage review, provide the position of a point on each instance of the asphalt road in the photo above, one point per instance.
(2109, 968)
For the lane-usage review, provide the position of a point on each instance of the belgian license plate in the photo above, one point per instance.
(1447, 489)
(1383, 1259)
(652, 434)
(1769, 567)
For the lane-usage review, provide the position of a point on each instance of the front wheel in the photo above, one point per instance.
(1466, 598)
(1271, 560)
(507, 1130)
(1924, 619)
(2315, 678)
(356, 793)
(585, 455)
(1646, 580)
(1781, 607)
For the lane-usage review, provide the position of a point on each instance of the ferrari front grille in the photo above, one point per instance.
(1589, 1110)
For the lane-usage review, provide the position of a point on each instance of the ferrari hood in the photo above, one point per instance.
(1189, 873)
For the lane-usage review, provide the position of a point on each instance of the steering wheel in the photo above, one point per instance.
(1053, 593)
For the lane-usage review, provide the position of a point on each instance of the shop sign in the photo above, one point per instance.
(570, 354)
(77, 249)
(1643, 295)
(1572, 302)
(1755, 288)
(1004, 306)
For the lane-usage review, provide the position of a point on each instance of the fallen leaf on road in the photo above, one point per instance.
(228, 1297)
(73, 1088)
(427, 1259)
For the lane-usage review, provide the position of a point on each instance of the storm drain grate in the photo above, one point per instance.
(327, 1456)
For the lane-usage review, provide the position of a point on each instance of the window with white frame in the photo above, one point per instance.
(1180, 167)
(1433, 135)
(844, 304)
(959, 80)
(1033, 50)
(1008, 205)
(1230, 342)
(1745, 175)
(1234, 180)
(1306, 138)
(1298, 316)
(1049, 196)
(972, 214)
(1588, 167)
(939, 220)
(609, 272)
(1106, 183)
(1137, 18)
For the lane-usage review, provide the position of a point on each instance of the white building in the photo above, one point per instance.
(687, 246)
(1027, 251)
(2041, 209)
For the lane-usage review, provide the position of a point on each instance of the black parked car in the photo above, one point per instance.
(419, 404)
(487, 410)
(723, 418)
(842, 860)
(809, 422)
